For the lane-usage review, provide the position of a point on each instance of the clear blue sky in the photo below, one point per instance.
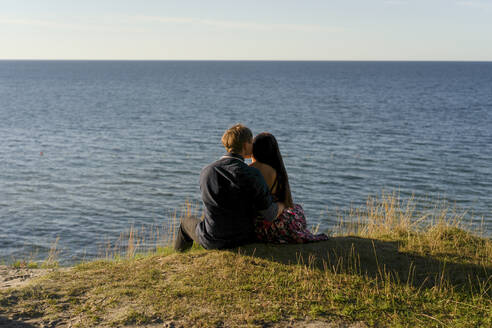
(238, 30)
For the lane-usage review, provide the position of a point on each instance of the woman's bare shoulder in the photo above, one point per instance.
(263, 167)
(267, 171)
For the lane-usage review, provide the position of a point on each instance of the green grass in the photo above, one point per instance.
(387, 270)
(25, 264)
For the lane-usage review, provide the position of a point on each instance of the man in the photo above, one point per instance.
(233, 194)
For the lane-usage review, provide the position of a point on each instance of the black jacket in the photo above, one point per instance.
(233, 194)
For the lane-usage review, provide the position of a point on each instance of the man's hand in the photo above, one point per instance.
(281, 208)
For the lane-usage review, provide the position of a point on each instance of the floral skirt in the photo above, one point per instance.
(289, 228)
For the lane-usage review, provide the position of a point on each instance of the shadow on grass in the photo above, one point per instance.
(377, 259)
(4, 322)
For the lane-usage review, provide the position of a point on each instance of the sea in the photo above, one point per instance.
(91, 150)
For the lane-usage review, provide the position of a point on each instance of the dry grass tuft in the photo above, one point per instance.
(137, 242)
(439, 231)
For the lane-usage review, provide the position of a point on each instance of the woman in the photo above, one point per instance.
(290, 226)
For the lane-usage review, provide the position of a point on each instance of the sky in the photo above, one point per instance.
(246, 29)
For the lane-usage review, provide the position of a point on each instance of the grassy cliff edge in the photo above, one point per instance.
(388, 269)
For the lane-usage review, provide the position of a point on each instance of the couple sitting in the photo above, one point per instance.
(245, 203)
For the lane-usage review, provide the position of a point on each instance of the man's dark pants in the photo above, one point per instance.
(186, 233)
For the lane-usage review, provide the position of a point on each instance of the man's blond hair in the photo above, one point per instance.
(235, 137)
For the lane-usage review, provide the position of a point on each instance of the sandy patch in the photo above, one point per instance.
(18, 277)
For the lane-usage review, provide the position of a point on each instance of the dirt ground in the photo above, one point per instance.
(17, 277)
(283, 324)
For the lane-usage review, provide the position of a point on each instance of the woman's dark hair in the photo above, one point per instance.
(265, 150)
